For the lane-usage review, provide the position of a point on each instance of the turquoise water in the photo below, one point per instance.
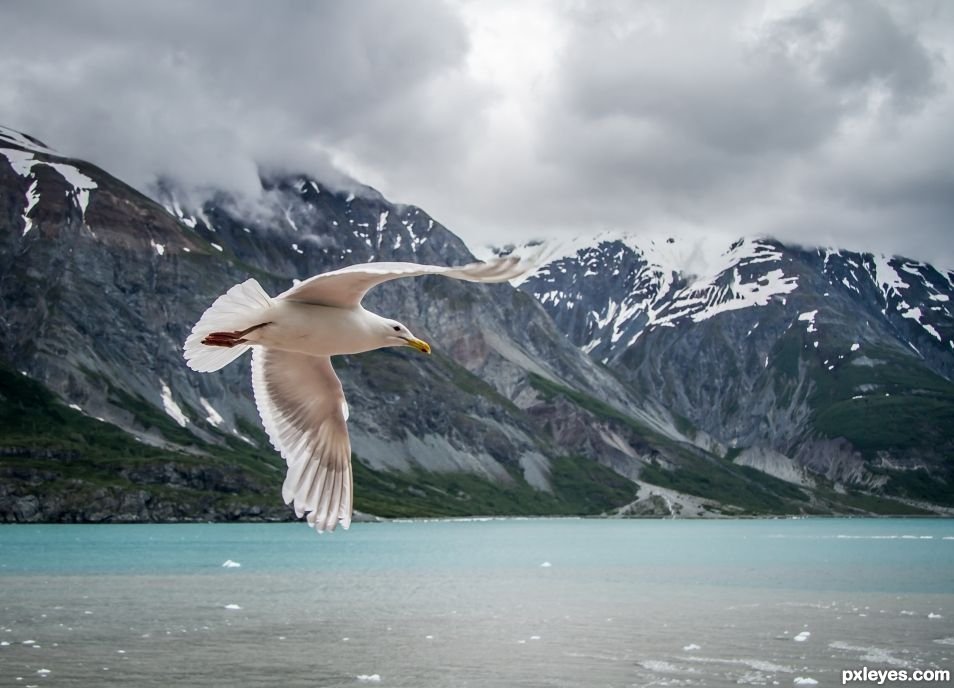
(539, 602)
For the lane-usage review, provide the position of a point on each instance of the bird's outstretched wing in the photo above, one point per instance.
(305, 415)
(346, 287)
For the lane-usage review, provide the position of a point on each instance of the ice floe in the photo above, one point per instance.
(659, 666)
(229, 564)
(802, 637)
(871, 654)
(369, 678)
(804, 681)
(691, 647)
(545, 565)
(232, 606)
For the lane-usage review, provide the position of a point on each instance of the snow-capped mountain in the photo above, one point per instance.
(100, 419)
(838, 361)
(608, 292)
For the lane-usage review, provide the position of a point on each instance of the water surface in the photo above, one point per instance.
(539, 602)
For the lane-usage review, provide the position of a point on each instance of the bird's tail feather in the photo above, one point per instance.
(242, 306)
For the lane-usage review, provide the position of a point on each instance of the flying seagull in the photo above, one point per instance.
(298, 395)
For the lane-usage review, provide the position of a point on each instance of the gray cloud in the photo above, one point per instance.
(204, 92)
(823, 121)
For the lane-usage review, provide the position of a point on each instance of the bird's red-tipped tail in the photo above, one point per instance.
(240, 309)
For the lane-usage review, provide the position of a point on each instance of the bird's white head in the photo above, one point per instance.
(396, 334)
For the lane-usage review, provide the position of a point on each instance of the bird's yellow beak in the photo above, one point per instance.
(420, 345)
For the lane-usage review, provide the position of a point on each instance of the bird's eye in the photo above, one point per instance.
(397, 328)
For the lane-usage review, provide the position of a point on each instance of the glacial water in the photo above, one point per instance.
(539, 602)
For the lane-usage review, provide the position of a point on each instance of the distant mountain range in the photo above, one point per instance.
(775, 380)
(817, 366)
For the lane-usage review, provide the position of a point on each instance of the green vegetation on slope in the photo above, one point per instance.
(580, 487)
(89, 468)
(886, 404)
(78, 466)
(697, 473)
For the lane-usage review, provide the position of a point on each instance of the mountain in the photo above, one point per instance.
(101, 420)
(822, 367)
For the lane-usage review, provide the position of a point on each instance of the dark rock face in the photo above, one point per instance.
(840, 360)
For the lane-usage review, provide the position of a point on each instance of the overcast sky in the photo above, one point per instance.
(816, 122)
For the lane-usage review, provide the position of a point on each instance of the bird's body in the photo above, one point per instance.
(317, 330)
(298, 395)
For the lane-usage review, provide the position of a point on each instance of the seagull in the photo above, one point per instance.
(298, 395)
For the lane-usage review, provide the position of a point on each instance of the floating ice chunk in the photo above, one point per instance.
(232, 606)
(855, 346)
(349, 198)
(75, 407)
(804, 681)
(933, 615)
(545, 565)
(534, 637)
(216, 246)
(43, 672)
(4, 643)
(369, 678)
(659, 666)
(229, 564)
(802, 637)
(29, 642)
(160, 248)
(429, 637)
(690, 647)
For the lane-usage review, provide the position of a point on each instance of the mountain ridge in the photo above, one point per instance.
(772, 352)
(99, 289)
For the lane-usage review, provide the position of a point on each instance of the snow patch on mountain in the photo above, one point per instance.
(24, 162)
(169, 405)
